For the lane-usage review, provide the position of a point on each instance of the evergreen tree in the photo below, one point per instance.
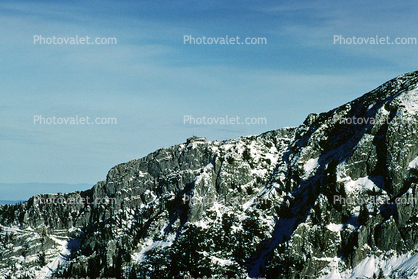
(42, 259)
(363, 215)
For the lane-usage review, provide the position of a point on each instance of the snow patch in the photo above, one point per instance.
(413, 163)
(360, 185)
(334, 227)
(391, 264)
(151, 244)
(310, 166)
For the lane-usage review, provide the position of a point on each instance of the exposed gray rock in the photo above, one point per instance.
(281, 204)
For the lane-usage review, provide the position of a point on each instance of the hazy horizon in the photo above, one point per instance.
(71, 110)
(23, 191)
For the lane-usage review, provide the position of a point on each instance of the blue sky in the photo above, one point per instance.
(150, 79)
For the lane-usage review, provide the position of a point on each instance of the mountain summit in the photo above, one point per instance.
(335, 197)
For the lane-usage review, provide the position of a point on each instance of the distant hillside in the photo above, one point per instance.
(335, 198)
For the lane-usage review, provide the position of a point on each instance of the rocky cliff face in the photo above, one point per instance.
(317, 200)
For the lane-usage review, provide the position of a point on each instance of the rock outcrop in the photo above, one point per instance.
(291, 203)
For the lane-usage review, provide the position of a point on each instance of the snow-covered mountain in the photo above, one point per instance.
(335, 197)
